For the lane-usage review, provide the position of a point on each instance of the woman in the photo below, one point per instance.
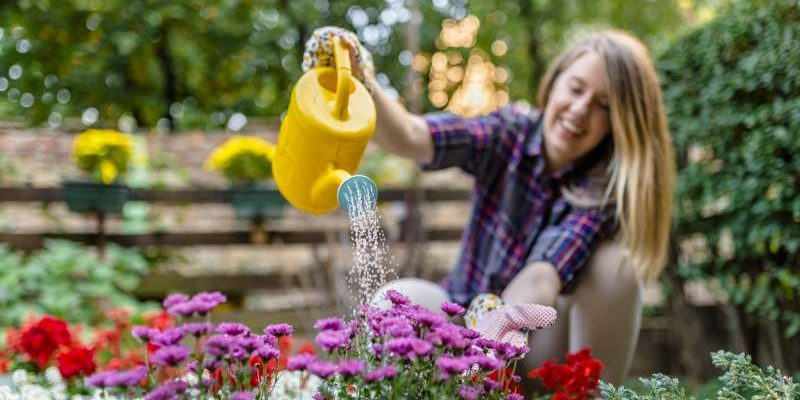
(572, 201)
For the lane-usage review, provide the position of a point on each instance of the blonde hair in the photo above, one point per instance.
(639, 173)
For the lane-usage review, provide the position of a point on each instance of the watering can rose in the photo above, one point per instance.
(243, 159)
(103, 153)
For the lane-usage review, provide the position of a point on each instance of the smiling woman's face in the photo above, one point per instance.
(576, 118)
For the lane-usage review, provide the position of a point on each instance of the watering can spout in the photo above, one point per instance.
(322, 138)
(352, 192)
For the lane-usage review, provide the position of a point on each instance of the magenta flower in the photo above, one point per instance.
(350, 367)
(170, 355)
(397, 298)
(128, 378)
(451, 366)
(279, 330)
(300, 362)
(267, 352)
(174, 299)
(453, 309)
(197, 329)
(469, 393)
(332, 340)
(168, 337)
(232, 329)
(144, 333)
(242, 395)
(219, 345)
(387, 372)
(330, 324)
(322, 368)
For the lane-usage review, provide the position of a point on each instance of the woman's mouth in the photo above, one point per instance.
(571, 129)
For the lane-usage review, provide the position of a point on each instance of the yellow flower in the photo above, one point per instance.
(103, 153)
(243, 159)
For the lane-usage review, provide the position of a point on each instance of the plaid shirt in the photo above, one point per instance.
(518, 215)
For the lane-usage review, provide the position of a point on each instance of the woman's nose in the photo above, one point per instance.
(580, 105)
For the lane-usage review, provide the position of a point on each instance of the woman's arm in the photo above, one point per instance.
(537, 283)
(400, 132)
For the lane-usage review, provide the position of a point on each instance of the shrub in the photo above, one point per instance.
(67, 280)
(742, 380)
(732, 90)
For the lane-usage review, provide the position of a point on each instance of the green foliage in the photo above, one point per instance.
(68, 281)
(742, 380)
(191, 64)
(733, 90)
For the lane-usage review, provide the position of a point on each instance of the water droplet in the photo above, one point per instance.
(322, 5)
(63, 96)
(54, 119)
(3, 84)
(372, 263)
(176, 110)
(93, 22)
(357, 16)
(26, 100)
(90, 116)
(218, 117)
(126, 123)
(48, 98)
(163, 125)
(405, 57)
(236, 122)
(50, 80)
(23, 46)
(13, 94)
(15, 72)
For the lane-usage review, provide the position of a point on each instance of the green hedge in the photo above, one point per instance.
(732, 89)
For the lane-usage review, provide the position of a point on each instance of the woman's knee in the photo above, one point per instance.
(425, 293)
(610, 274)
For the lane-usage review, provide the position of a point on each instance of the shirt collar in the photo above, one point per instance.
(534, 147)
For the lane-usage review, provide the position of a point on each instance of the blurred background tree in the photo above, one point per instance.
(188, 64)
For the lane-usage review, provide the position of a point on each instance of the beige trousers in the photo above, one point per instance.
(603, 313)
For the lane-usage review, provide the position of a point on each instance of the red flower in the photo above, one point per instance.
(76, 361)
(41, 340)
(578, 379)
(159, 320)
(507, 384)
(5, 362)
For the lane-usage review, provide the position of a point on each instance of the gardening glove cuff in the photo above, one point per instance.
(319, 53)
(508, 323)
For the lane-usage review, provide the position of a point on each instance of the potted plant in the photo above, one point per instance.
(104, 155)
(246, 162)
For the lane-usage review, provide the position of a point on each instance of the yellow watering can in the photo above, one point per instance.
(322, 138)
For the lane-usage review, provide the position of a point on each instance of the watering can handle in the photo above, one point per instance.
(341, 57)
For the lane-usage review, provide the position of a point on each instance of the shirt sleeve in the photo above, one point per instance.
(569, 244)
(471, 143)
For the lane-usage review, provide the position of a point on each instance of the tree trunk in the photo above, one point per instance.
(168, 69)
(687, 329)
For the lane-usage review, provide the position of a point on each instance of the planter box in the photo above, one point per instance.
(86, 196)
(257, 203)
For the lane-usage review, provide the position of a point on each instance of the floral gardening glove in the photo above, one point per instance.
(319, 53)
(507, 323)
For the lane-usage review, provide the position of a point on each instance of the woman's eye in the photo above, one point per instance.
(575, 90)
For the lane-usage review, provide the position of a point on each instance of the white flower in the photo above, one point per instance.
(34, 392)
(289, 385)
(7, 394)
(19, 377)
(53, 376)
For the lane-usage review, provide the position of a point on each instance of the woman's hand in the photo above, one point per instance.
(319, 53)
